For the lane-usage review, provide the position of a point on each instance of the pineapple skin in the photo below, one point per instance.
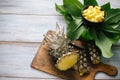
(83, 63)
(93, 53)
(82, 66)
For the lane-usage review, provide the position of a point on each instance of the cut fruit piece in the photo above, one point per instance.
(94, 14)
(67, 61)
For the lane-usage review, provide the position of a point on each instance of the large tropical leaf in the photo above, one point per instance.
(86, 35)
(110, 29)
(90, 2)
(114, 37)
(73, 7)
(112, 13)
(61, 9)
(73, 29)
(114, 19)
(106, 6)
(104, 43)
(77, 34)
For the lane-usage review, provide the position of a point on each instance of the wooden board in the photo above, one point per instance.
(43, 62)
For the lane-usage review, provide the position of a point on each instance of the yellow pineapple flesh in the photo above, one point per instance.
(67, 61)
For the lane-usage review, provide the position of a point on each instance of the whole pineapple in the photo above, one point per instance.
(60, 49)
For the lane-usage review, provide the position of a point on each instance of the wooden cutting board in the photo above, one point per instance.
(43, 62)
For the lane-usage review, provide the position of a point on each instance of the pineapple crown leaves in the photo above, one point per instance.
(104, 35)
(56, 39)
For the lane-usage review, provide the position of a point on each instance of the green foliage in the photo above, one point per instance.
(74, 29)
(106, 6)
(90, 2)
(73, 7)
(104, 35)
(103, 43)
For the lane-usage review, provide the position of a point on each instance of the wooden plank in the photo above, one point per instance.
(27, 28)
(113, 3)
(16, 58)
(38, 7)
(14, 78)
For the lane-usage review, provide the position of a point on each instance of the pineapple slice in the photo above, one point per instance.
(67, 61)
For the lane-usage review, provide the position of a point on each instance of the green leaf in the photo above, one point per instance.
(61, 9)
(116, 25)
(90, 2)
(77, 34)
(106, 6)
(86, 35)
(114, 19)
(110, 25)
(110, 29)
(73, 7)
(73, 29)
(103, 43)
(112, 13)
(113, 37)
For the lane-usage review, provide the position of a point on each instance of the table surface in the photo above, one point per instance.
(22, 26)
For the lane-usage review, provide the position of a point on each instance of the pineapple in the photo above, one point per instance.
(83, 64)
(61, 50)
(94, 53)
(67, 61)
(68, 54)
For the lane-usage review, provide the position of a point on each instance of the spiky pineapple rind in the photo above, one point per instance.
(83, 64)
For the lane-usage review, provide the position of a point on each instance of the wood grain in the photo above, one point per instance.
(27, 28)
(38, 7)
(15, 60)
(14, 78)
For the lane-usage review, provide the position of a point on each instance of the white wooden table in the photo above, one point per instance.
(22, 26)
